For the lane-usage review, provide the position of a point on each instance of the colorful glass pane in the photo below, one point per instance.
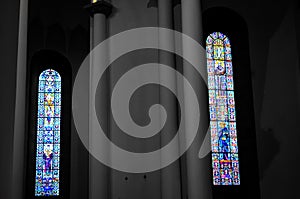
(225, 161)
(48, 134)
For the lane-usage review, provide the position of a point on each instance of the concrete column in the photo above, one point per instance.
(99, 29)
(170, 176)
(98, 173)
(198, 170)
(192, 19)
(18, 170)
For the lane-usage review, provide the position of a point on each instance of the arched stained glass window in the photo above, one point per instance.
(48, 134)
(225, 161)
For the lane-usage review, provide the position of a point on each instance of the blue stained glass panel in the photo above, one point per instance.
(48, 135)
(212, 97)
(211, 82)
(224, 144)
(214, 35)
(209, 40)
(229, 68)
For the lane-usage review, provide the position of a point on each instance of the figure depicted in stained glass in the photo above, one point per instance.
(222, 110)
(224, 139)
(48, 134)
(220, 67)
(48, 156)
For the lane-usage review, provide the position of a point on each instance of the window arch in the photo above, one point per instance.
(225, 160)
(48, 134)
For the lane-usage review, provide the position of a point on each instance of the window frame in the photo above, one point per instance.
(235, 28)
(217, 121)
(41, 61)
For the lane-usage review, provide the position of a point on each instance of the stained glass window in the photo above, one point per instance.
(48, 134)
(225, 160)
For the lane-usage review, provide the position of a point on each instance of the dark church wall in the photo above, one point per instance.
(129, 15)
(8, 58)
(278, 121)
(274, 50)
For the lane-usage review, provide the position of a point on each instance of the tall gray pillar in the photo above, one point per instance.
(198, 172)
(18, 170)
(170, 176)
(98, 173)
